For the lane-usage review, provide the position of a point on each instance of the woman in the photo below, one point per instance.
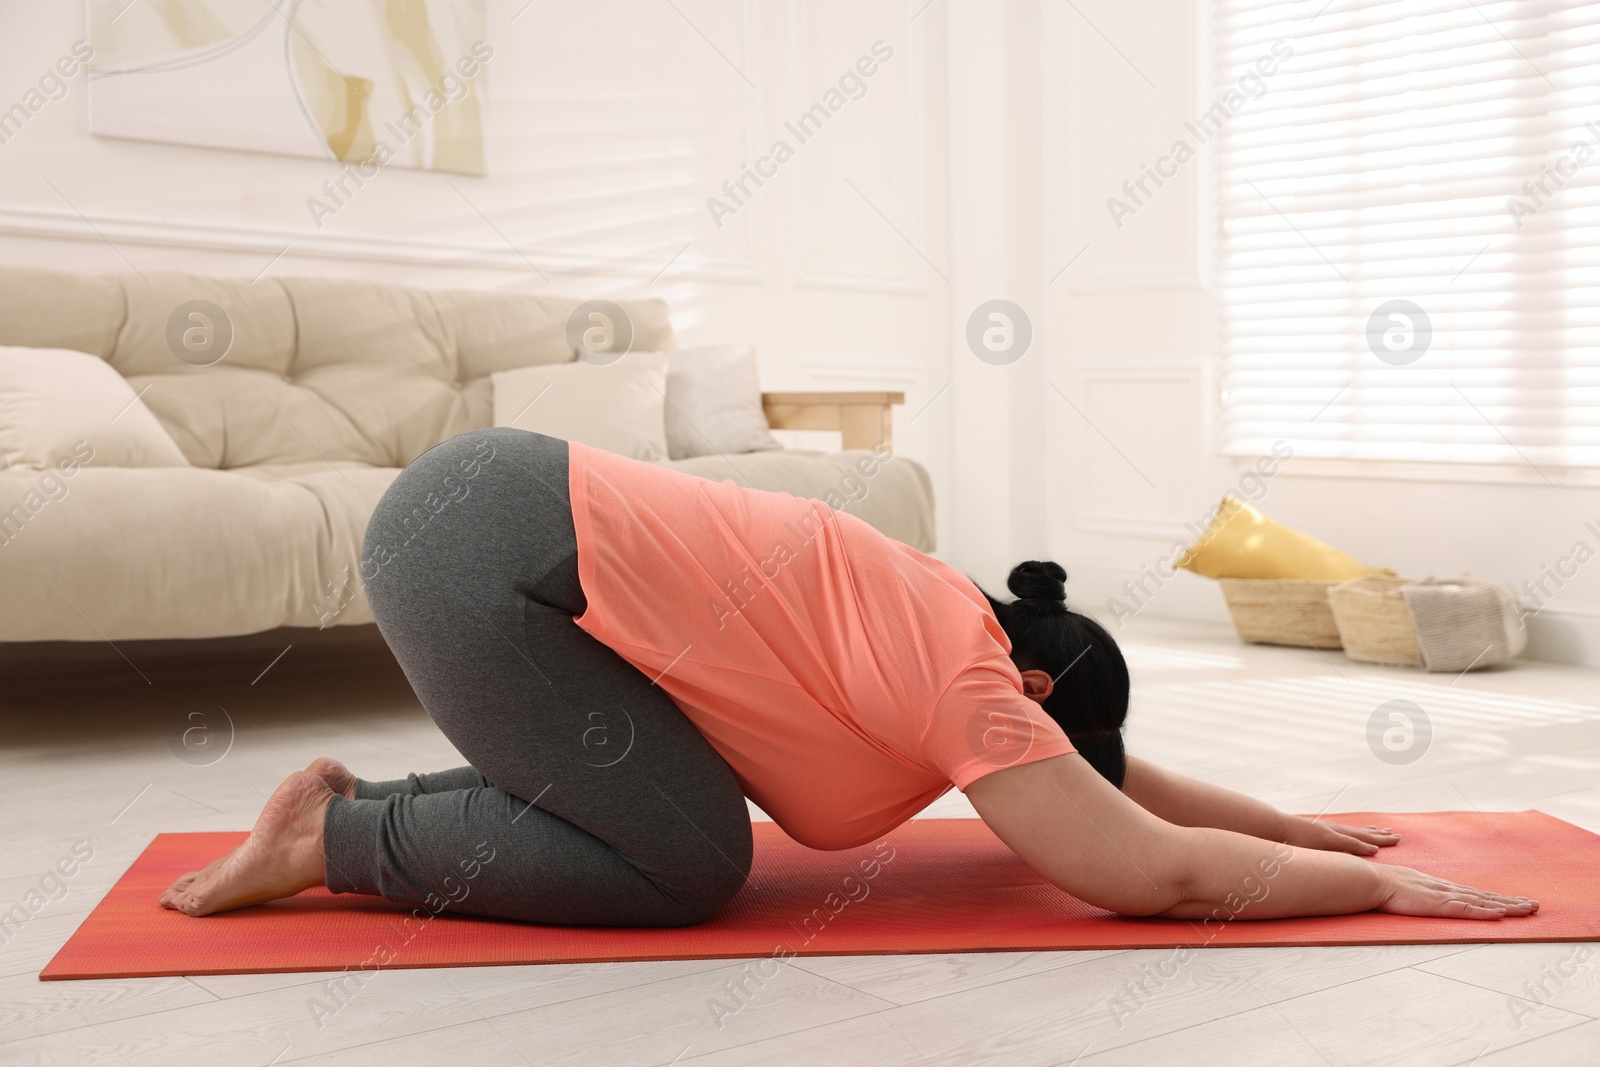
(623, 653)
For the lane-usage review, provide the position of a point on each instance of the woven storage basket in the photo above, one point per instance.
(1374, 622)
(1281, 611)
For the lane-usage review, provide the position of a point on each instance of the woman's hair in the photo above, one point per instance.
(1090, 699)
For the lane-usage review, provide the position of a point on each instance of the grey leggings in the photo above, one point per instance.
(591, 799)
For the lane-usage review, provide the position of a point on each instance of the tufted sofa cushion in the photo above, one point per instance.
(319, 369)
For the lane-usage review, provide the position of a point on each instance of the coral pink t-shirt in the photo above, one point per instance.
(847, 679)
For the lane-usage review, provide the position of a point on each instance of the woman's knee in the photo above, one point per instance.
(705, 883)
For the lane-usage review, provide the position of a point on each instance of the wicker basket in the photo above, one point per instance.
(1281, 611)
(1374, 621)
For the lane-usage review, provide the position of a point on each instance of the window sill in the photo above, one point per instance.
(1403, 471)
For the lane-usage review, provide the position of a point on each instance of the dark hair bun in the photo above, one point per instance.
(1038, 580)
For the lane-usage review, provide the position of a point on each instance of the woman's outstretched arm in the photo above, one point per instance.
(1187, 802)
(1081, 833)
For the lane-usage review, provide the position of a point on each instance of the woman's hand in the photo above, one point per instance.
(1412, 892)
(1333, 837)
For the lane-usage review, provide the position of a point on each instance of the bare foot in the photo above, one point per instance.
(281, 857)
(185, 881)
(336, 774)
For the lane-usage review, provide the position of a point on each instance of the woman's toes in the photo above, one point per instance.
(183, 882)
(187, 881)
(337, 775)
(185, 903)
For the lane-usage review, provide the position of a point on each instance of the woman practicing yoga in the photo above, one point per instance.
(624, 653)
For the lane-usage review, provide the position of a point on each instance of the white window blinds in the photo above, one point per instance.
(1409, 260)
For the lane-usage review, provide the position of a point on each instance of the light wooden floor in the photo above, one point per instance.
(90, 760)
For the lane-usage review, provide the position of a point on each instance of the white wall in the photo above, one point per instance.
(1133, 332)
(610, 124)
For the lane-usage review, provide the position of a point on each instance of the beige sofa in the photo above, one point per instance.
(330, 387)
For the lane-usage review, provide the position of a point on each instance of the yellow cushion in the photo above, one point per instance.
(1243, 543)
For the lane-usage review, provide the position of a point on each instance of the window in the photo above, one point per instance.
(1409, 258)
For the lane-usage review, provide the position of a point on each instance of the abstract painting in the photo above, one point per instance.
(362, 81)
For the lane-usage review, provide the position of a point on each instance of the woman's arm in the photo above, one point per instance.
(1081, 833)
(1186, 802)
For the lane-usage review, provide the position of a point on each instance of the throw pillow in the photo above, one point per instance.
(1243, 543)
(714, 403)
(59, 406)
(618, 407)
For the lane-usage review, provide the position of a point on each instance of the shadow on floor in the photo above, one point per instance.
(119, 697)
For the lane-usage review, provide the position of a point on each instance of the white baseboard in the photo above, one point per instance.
(1099, 588)
(1565, 635)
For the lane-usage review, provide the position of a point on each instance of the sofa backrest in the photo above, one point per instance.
(319, 368)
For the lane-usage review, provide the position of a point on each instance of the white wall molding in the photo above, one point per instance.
(1157, 532)
(268, 241)
(1085, 516)
(842, 282)
(885, 374)
(803, 90)
(1085, 54)
(1174, 281)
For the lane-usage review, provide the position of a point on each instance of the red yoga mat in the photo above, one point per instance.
(932, 885)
